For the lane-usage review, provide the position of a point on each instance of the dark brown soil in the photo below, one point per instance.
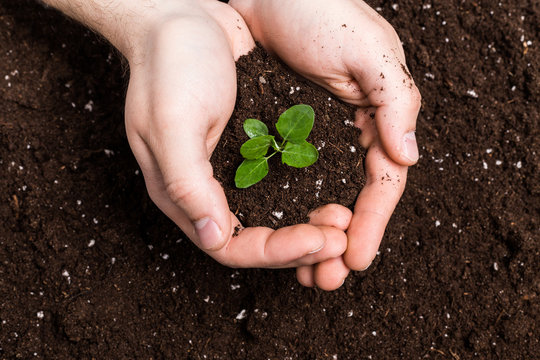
(89, 268)
(266, 88)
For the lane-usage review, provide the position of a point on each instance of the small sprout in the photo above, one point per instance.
(294, 126)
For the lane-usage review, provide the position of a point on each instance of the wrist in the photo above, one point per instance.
(126, 24)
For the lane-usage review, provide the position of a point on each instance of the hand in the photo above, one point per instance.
(181, 94)
(349, 49)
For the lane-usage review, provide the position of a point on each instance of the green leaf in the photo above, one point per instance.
(296, 123)
(256, 147)
(250, 172)
(254, 128)
(299, 155)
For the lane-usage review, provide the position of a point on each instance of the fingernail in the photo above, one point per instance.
(410, 147)
(317, 249)
(208, 232)
(364, 269)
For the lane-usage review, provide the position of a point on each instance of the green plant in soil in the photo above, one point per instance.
(294, 126)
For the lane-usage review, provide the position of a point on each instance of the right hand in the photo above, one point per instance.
(181, 94)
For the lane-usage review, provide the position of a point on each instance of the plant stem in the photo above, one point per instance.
(268, 157)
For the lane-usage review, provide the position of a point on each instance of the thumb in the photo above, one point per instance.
(190, 195)
(397, 101)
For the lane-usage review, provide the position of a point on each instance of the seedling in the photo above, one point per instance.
(294, 126)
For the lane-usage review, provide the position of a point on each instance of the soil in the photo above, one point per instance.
(266, 88)
(89, 268)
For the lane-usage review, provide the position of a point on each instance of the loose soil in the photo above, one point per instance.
(89, 268)
(266, 88)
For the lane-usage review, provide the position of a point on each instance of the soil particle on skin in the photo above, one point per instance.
(266, 88)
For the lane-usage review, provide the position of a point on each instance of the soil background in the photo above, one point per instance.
(89, 268)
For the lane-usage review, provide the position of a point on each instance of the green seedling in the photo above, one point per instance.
(294, 126)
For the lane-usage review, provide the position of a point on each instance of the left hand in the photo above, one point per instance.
(349, 49)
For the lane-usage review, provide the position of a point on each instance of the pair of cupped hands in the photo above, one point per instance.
(182, 92)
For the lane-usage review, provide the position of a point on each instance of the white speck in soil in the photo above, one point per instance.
(108, 152)
(40, 314)
(489, 151)
(262, 80)
(495, 266)
(374, 333)
(484, 165)
(472, 93)
(350, 313)
(91, 243)
(437, 223)
(518, 165)
(348, 122)
(207, 299)
(241, 315)
(89, 106)
(65, 274)
(498, 162)
(352, 148)
(344, 181)
(164, 256)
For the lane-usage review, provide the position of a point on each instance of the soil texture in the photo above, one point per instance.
(90, 268)
(266, 88)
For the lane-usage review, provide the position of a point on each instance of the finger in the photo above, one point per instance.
(183, 203)
(328, 215)
(365, 121)
(264, 247)
(373, 208)
(331, 274)
(305, 275)
(331, 215)
(336, 244)
(392, 91)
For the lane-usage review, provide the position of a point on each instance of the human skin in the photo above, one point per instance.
(349, 49)
(181, 93)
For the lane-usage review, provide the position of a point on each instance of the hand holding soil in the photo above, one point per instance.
(349, 49)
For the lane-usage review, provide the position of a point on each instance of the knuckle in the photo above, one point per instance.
(181, 193)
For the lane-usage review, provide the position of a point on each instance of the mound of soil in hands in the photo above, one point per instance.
(266, 88)
(89, 268)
